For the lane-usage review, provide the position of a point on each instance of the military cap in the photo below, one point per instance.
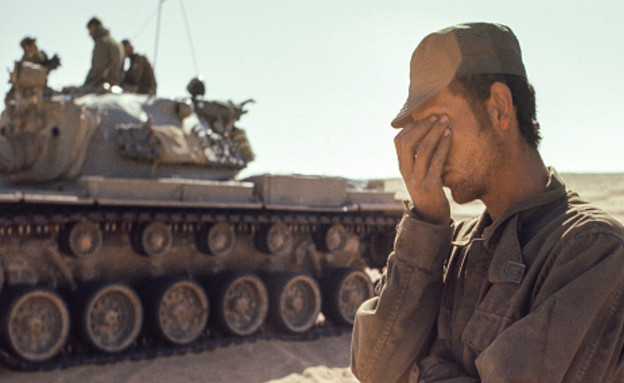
(27, 41)
(459, 50)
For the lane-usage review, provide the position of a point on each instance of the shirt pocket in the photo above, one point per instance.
(481, 330)
(496, 311)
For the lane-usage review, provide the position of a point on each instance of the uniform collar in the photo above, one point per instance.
(502, 236)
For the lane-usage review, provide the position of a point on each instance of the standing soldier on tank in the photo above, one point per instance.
(107, 59)
(139, 78)
(33, 55)
(31, 51)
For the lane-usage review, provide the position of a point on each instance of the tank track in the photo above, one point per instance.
(73, 355)
(32, 220)
(41, 219)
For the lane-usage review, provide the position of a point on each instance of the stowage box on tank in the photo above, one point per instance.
(123, 227)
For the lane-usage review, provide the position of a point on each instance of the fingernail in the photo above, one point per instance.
(447, 132)
(433, 118)
(444, 118)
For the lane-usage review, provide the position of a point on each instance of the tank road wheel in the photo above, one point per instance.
(295, 302)
(153, 239)
(179, 310)
(241, 304)
(111, 317)
(345, 290)
(82, 239)
(35, 323)
(217, 239)
(377, 248)
(274, 239)
(332, 239)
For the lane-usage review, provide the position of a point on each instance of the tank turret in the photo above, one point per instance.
(123, 229)
(126, 135)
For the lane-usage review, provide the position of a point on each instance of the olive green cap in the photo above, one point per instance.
(460, 50)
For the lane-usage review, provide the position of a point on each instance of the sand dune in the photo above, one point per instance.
(320, 361)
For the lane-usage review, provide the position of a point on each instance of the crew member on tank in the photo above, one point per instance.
(107, 59)
(34, 55)
(139, 78)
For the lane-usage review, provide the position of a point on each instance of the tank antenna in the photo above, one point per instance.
(160, 3)
(190, 39)
(147, 21)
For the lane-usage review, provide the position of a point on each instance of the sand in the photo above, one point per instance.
(319, 361)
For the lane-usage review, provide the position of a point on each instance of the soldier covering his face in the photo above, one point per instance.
(530, 291)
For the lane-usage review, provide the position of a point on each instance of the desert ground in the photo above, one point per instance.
(324, 360)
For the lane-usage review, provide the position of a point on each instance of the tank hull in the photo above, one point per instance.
(34, 222)
(43, 245)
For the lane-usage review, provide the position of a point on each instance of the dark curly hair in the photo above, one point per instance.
(476, 90)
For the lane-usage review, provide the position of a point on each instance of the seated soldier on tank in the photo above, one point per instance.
(139, 78)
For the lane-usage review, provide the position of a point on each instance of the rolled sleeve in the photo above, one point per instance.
(395, 329)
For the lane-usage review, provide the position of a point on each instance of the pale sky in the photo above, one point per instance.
(328, 76)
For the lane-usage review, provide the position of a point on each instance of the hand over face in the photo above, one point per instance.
(422, 148)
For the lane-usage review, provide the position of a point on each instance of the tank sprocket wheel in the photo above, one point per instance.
(152, 239)
(241, 303)
(111, 316)
(35, 323)
(344, 291)
(331, 238)
(82, 238)
(275, 239)
(178, 309)
(217, 239)
(295, 302)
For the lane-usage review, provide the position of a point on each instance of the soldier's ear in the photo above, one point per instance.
(501, 105)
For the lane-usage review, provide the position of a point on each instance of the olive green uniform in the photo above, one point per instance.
(535, 296)
(107, 60)
(140, 76)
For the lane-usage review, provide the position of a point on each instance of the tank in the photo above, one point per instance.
(124, 227)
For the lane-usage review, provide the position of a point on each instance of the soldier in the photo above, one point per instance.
(107, 59)
(139, 77)
(34, 55)
(530, 291)
(31, 52)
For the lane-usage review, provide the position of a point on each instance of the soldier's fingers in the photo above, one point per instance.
(416, 131)
(407, 142)
(428, 145)
(440, 154)
(405, 148)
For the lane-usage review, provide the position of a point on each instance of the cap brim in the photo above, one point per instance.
(414, 101)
